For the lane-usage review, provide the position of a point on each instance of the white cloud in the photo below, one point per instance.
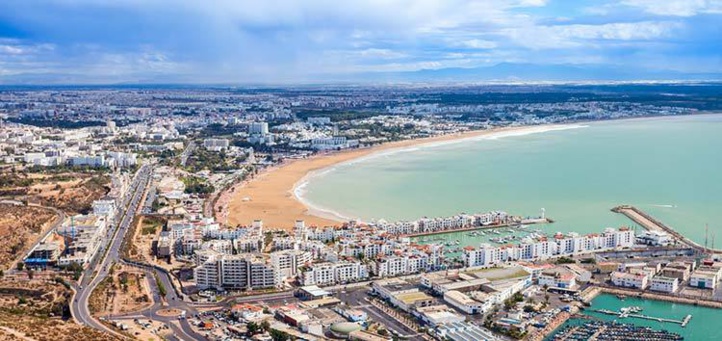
(478, 44)
(570, 36)
(681, 8)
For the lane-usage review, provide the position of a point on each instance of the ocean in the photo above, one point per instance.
(669, 167)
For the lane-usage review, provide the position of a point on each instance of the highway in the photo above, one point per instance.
(99, 265)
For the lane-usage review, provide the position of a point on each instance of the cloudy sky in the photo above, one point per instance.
(247, 41)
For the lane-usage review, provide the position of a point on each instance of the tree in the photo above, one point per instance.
(278, 335)
(20, 266)
(546, 298)
(253, 328)
(266, 325)
(31, 274)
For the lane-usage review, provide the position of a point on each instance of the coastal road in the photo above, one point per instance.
(97, 271)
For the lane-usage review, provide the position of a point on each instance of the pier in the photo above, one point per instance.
(625, 314)
(650, 223)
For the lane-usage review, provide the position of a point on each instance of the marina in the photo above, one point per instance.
(600, 330)
(663, 315)
(633, 312)
(455, 241)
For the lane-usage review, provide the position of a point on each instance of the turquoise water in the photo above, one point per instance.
(669, 167)
(702, 326)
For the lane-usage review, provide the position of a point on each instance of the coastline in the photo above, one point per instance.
(275, 197)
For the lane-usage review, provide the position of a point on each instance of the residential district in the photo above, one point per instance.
(114, 200)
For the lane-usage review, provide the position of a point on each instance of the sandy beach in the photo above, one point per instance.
(269, 196)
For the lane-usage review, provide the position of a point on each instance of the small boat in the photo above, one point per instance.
(621, 296)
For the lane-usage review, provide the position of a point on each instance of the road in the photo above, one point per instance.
(358, 299)
(100, 265)
(170, 301)
(187, 153)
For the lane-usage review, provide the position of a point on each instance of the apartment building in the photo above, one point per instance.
(240, 272)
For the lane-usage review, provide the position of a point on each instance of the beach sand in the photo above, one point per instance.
(269, 195)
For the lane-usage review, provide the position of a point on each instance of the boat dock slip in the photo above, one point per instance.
(625, 314)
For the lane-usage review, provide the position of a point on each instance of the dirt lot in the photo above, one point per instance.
(38, 310)
(145, 230)
(72, 192)
(125, 291)
(20, 227)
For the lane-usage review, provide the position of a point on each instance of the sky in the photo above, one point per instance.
(284, 41)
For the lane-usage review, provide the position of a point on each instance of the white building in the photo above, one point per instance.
(703, 279)
(215, 145)
(122, 160)
(630, 280)
(332, 273)
(104, 207)
(286, 263)
(466, 303)
(560, 245)
(258, 128)
(655, 238)
(664, 284)
(319, 120)
(240, 272)
(558, 278)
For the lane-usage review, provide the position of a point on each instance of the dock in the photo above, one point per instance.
(622, 315)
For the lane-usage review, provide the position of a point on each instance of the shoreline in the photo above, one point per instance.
(274, 195)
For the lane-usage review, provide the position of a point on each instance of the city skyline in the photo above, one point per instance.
(285, 42)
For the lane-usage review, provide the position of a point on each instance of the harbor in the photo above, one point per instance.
(455, 241)
(687, 320)
(600, 330)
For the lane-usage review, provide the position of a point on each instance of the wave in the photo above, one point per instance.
(663, 205)
(300, 190)
(493, 135)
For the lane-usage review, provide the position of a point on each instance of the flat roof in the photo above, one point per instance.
(411, 297)
(314, 290)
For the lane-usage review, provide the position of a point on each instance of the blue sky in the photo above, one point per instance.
(240, 41)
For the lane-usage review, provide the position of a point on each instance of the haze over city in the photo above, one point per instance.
(317, 41)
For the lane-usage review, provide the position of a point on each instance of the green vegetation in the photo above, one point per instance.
(565, 260)
(202, 159)
(56, 123)
(278, 335)
(14, 180)
(335, 115)
(196, 185)
(76, 269)
(161, 287)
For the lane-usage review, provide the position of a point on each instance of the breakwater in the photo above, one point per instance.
(650, 223)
